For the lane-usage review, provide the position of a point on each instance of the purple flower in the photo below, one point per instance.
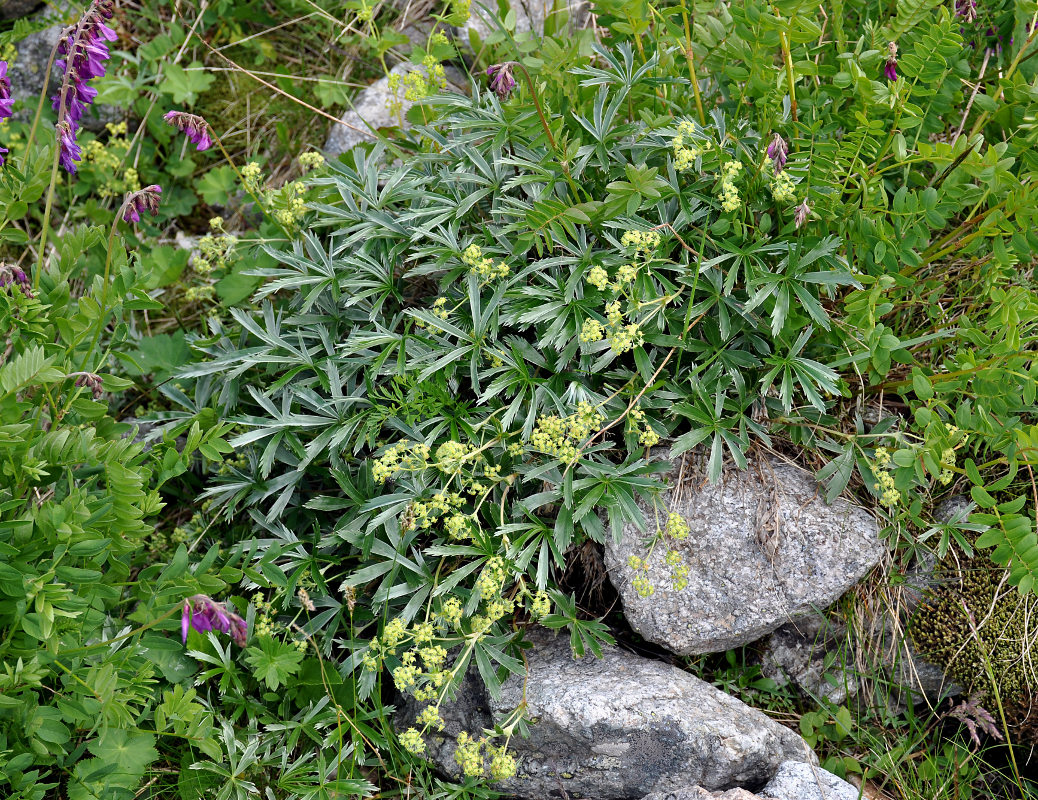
(90, 381)
(3, 152)
(501, 80)
(6, 101)
(68, 146)
(84, 51)
(890, 66)
(967, 9)
(777, 151)
(194, 127)
(147, 199)
(204, 614)
(801, 213)
(12, 275)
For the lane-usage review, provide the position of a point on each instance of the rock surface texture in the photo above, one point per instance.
(794, 780)
(763, 549)
(616, 727)
(371, 111)
(799, 781)
(12, 9)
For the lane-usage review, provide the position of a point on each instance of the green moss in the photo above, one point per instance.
(974, 621)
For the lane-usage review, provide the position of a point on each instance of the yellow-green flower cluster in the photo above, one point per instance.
(450, 612)
(686, 149)
(644, 242)
(561, 437)
(264, 620)
(492, 579)
(483, 267)
(411, 740)
(215, 251)
(889, 495)
(641, 583)
(251, 173)
(311, 160)
(646, 435)
(621, 337)
(416, 84)
(291, 202)
(598, 277)
(677, 528)
(541, 605)
(404, 456)
(451, 456)
(199, 294)
(109, 159)
(729, 196)
(468, 755)
(783, 190)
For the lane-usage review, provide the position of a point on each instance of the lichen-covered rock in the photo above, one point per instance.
(616, 727)
(763, 548)
(796, 780)
(13, 9)
(372, 111)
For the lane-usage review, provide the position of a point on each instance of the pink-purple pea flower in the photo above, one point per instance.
(147, 199)
(11, 275)
(890, 65)
(501, 80)
(204, 614)
(6, 101)
(801, 214)
(194, 127)
(84, 51)
(777, 151)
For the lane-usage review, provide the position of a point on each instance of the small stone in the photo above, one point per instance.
(621, 726)
(763, 548)
(796, 780)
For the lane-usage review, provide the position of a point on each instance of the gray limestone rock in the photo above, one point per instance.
(811, 653)
(699, 793)
(796, 780)
(763, 549)
(616, 727)
(13, 9)
(371, 111)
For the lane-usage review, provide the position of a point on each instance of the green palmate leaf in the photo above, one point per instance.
(274, 661)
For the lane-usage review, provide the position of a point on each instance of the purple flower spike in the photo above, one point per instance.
(501, 80)
(890, 66)
(68, 146)
(777, 151)
(15, 276)
(147, 199)
(204, 614)
(194, 127)
(6, 101)
(84, 54)
(967, 9)
(3, 152)
(801, 213)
